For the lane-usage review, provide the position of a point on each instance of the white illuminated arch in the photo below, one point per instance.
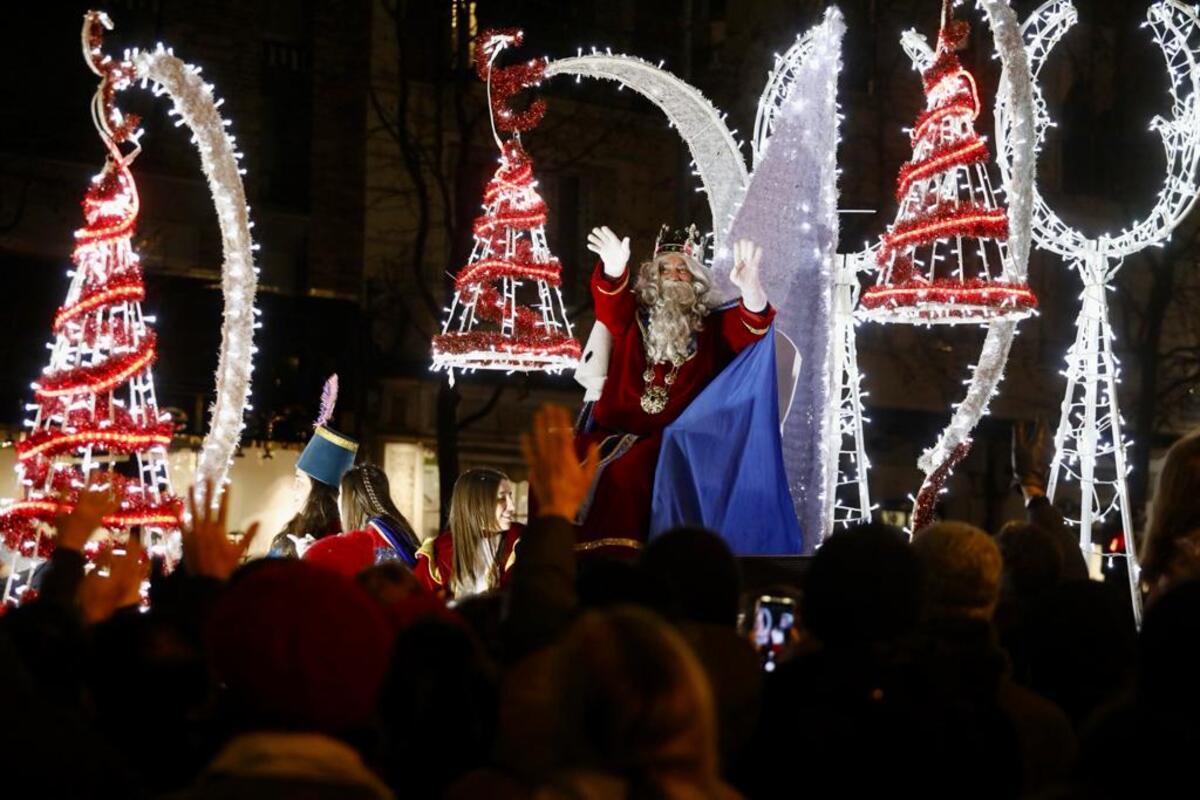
(196, 107)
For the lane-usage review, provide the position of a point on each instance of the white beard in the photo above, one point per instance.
(676, 314)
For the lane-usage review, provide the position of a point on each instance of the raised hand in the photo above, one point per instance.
(207, 550)
(93, 505)
(614, 252)
(747, 256)
(558, 481)
(116, 582)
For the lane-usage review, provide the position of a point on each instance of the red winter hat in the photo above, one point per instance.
(299, 647)
(346, 553)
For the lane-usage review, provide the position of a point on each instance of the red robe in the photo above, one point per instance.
(617, 514)
(435, 561)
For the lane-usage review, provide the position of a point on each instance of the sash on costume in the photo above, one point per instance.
(392, 539)
(721, 463)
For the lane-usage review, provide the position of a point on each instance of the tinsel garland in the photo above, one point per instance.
(99, 377)
(77, 412)
(954, 35)
(124, 289)
(20, 522)
(521, 219)
(491, 269)
(490, 342)
(489, 306)
(929, 118)
(113, 439)
(99, 331)
(110, 206)
(974, 292)
(58, 481)
(970, 220)
(932, 487)
(505, 82)
(513, 180)
(515, 173)
(971, 150)
(945, 65)
(116, 76)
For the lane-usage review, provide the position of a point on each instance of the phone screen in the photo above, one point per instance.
(774, 619)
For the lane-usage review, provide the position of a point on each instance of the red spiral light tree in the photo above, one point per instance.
(94, 406)
(944, 260)
(95, 418)
(507, 311)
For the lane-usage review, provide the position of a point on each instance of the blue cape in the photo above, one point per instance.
(721, 463)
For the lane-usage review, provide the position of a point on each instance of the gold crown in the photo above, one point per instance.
(688, 241)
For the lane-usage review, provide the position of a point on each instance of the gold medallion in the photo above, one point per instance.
(654, 400)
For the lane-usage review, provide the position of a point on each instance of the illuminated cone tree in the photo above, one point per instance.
(944, 260)
(95, 416)
(507, 311)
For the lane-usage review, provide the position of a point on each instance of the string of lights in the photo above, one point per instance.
(1090, 448)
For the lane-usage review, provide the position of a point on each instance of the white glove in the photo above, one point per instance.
(613, 252)
(746, 258)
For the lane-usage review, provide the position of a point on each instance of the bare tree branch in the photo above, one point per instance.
(410, 153)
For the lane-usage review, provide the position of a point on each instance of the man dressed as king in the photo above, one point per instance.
(669, 341)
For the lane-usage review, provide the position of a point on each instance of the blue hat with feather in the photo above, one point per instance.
(329, 455)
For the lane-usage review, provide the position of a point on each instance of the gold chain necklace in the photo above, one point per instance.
(654, 397)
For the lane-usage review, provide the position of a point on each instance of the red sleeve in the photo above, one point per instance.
(614, 300)
(741, 327)
(509, 553)
(430, 574)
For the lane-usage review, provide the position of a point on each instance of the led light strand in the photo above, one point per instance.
(1089, 444)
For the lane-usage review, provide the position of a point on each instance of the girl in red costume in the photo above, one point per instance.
(475, 555)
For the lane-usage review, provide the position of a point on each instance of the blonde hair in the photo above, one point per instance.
(472, 518)
(1176, 512)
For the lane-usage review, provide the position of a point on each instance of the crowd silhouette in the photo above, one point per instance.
(956, 663)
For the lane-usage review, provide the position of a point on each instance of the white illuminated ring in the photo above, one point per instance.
(1175, 27)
